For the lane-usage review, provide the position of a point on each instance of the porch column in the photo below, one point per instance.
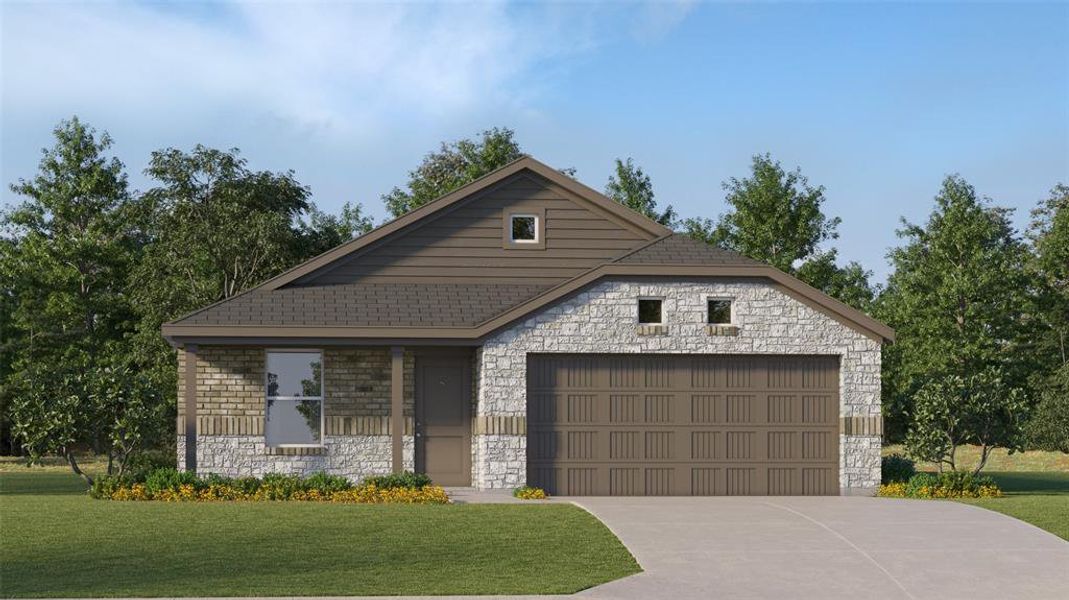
(191, 406)
(397, 406)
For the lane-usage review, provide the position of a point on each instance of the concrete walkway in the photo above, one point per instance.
(828, 548)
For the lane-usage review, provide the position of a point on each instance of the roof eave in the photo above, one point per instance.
(847, 315)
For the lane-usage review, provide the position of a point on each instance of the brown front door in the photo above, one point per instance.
(443, 418)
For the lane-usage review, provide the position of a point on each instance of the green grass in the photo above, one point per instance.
(1041, 499)
(967, 457)
(57, 542)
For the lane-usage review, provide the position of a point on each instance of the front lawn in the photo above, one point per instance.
(1041, 499)
(57, 542)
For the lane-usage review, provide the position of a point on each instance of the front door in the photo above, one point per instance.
(443, 418)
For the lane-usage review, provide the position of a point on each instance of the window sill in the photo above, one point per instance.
(651, 329)
(295, 450)
(729, 330)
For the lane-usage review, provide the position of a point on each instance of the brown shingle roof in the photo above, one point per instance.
(678, 249)
(369, 305)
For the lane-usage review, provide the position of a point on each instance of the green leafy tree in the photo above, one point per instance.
(849, 283)
(952, 410)
(1049, 266)
(68, 250)
(1048, 428)
(1049, 234)
(452, 166)
(775, 216)
(322, 231)
(632, 187)
(958, 299)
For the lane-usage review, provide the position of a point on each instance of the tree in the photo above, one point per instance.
(452, 166)
(68, 250)
(323, 231)
(849, 284)
(957, 298)
(776, 217)
(952, 410)
(632, 187)
(1049, 427)
(1049, 234)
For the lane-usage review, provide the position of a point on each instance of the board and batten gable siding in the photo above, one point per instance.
(465, 243)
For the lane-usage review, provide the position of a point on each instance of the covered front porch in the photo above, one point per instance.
(354, 411)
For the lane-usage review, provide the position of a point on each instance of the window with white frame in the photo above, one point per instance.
(294, 414)
(524, 229)
(719, 311)
(650, 311)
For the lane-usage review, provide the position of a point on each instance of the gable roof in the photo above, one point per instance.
(596, 199)
(439, 312)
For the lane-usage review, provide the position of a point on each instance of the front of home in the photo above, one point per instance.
(527, 330)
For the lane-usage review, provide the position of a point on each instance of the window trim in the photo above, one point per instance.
(512, 228)
(321, 397)
(731, 309)
(638, 310)
(539, 215)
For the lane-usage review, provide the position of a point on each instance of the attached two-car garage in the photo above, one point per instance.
(683, 425)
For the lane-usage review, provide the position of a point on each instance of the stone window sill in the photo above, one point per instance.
(295, 450)
(651, 329)
(730, 330)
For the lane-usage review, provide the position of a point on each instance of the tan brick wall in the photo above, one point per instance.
(357, 382)
(230, 383)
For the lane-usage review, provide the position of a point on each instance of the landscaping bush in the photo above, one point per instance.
(896, 469)
(530, 493)
(168, 479)
(920, 485)
(169, 485)
(104, 486)
(950, 484)
(407, 479)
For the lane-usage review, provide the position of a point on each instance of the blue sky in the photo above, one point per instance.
(877, 102)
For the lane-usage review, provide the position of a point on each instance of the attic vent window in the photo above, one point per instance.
(524, 229)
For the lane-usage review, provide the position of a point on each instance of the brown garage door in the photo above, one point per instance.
(672, 425)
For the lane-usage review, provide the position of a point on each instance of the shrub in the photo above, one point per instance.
(105, 486)
(921, 484)
(168, 479)
(170, 486)
(951, 484)
(325, 483)
(530, 493)
(406, 479)
(896, 469)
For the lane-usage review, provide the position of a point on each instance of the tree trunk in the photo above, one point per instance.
(985, 451)
(69, 455)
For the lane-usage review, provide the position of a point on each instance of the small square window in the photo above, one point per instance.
(719, 312)
(524, 228)
(649, 311)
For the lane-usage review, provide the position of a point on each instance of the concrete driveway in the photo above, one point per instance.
(828, 548)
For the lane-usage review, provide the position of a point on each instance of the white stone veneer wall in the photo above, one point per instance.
(354, 457)
(602, 319)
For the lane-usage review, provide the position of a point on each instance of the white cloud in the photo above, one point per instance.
(344, 66)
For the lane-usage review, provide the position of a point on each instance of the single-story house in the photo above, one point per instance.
(525, 329)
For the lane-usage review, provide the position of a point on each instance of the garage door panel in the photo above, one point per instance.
(683, 425)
